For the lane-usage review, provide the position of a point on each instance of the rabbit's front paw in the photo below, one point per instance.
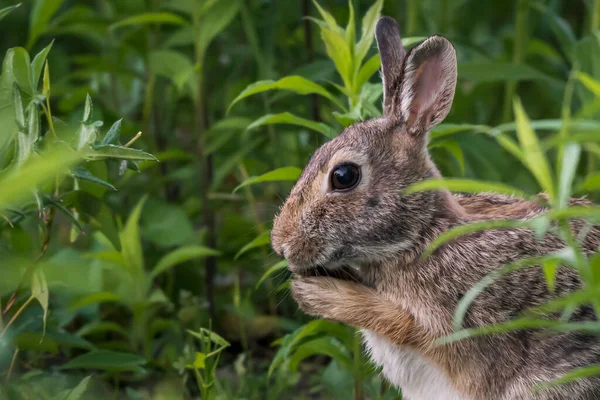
(327, 298)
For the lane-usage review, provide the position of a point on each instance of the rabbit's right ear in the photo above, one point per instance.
(391, 52)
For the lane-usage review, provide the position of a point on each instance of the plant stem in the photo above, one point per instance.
(14, 317)
(519, 46)
(12, 365)
(208, 219)
(358, 369)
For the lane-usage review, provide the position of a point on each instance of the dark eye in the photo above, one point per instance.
(345, 177)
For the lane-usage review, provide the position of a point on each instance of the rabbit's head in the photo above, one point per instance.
(348, 208)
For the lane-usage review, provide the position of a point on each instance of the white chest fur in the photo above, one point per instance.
(418, 378)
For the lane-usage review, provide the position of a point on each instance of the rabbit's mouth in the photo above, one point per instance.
(343, 272)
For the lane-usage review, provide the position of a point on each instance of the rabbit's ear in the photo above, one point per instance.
(428, 84)
(389, 43)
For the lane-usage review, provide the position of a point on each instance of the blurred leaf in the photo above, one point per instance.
(494, 72)
(561, 29)
(76, 393)
(568, 170)
(93, 298)
(453, 148)
(289, 118)
(204, 334)
(131, 241)
(172, 65)
(325, 346)
(329, 20)
(106, 360)
(198, 361)
(65, 211)
(533, 155)
(464, 185)
(213, 21)
(577, 373)
(296, 84)
(279, 174)
(39, 290)
(181, 255)
(550, 266)
(34, 173)
(105, 151)
(41, 14)
(7, 10)
(35, 342)
(367, 71)
(150, 18)
(261, 240)
(275, 268)
(96, 327)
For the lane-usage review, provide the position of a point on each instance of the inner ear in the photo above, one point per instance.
(391, 52)
(428, 84)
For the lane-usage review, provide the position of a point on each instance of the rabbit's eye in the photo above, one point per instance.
(345, 177)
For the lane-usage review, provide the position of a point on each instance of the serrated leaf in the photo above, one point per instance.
(106, 360)
(289, 118)
(150, 18)
(83, 174)
(279, 174)
(261, 240)
(181, 255)
(39, 290)
(294, 83)
(105, 151)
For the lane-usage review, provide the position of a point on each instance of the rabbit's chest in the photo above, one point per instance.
(404, 368)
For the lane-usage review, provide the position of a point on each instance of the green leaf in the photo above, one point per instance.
(38, 64)
(294, 83)
(550, 266)
(277, 267)
(77, 392)
(33, 173)
(41, 14)
(368, 32)
(204, 334)
(216, 18)
(16, 67)
(576, 374)
(494, 72)
(93, 298)
(338, 50)
(60, 207)
(329, 20)
(113, 134)
(131, 241)
(350, 32)
(590, 83)
(464, 185)
(568, 170)
(453, 148)
(150, 18)
(105, 151)
(39, 290)
(181, 255)
(367, 71)
(172, 65)
(106, 360)
(83, 174)
(289, 118)
(534, 157)
(324, 346)
(261, 240)
(279, 174)
(7, 10)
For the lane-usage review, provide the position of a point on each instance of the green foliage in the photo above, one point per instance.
(107, 283)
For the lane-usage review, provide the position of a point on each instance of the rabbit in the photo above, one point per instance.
(347, 216)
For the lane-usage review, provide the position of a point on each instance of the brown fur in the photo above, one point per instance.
(383, 232)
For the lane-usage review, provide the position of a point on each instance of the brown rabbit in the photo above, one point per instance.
(348, 210)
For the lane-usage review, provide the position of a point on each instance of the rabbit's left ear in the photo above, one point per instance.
(428, 84)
